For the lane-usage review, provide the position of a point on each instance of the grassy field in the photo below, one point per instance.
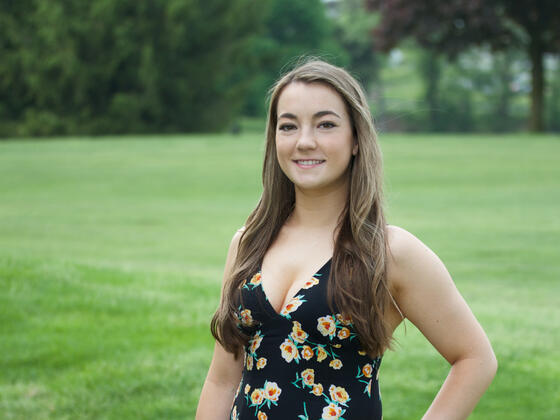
(111, 256)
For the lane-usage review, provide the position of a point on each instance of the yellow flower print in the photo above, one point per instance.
(308, 376)
(261, 363)
(321, 354)
(377, 375)
(367, 370)
(255, 342)
(344, 320)
(335, 364)
(338, 394)
(307, 353)
(247, 388)
(326, 326)
(234, 413)
(256, 280)
(317, 389)
(361, 352)
(331, 412)
(298, 334)
(289, 350)
(343, 333)
(368, 388)
(292, 305)
(257, 396)
(310, 283)
(272, 391)
(246, 318)
(249, 362)
(262, 416)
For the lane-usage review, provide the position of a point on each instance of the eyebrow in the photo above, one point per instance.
(318, 114)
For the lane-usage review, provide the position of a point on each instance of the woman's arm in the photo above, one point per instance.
(219, 388)
(428, 297)
(224, 374)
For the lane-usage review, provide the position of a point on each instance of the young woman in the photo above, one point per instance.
(316, 281)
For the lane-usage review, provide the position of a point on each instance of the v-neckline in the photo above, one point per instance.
(279, 314)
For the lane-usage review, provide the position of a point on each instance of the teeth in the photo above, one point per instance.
(309, 162)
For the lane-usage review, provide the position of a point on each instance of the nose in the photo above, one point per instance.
(306, 140)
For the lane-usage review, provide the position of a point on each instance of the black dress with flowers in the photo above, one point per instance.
(305, 362)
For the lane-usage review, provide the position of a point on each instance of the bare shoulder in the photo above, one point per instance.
(409, 259)
(236, 238)
(404, 248)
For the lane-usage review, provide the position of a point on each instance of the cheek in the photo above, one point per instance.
(282, 149)
(282, 154)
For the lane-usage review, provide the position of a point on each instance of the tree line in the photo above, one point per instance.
(141, 66)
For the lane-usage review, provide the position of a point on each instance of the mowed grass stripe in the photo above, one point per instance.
(111, 257)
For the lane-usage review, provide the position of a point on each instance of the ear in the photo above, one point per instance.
(355, 149)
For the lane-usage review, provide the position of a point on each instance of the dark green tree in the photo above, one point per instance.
(293, 28)
(353, 26)
(115, 66)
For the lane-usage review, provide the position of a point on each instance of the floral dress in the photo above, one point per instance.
(305, 362)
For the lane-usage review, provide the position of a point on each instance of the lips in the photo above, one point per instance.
(308, 163)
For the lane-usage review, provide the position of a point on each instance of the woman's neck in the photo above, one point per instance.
(316, 210)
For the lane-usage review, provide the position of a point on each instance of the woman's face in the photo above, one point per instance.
(314, 141)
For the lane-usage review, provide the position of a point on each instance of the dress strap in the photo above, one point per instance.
(395, 304)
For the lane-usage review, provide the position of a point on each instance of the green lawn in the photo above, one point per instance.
(111, 256)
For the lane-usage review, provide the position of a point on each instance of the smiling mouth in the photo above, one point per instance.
(308, 162)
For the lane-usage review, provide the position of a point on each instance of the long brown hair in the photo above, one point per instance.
(358, 280)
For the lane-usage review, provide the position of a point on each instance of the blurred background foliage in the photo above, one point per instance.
(156, 66)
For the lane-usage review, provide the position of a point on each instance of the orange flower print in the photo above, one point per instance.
(326, 326)
(321, 354)
(344, 320)
(292, 305)
(250, 363)
(338, 394)
(289, 351)
(367, 370)
(317, 389)
(307, 353)
(255, 342)
(261, 416)
(257, 396)
(247, 388)
(234, 415)
(308, 376)
(246, 318)
(310, 283)
(335, 364)
(331, 412)
(261, 363)
(256, 280)
(272, 391)
(343, 333)
(298, 334)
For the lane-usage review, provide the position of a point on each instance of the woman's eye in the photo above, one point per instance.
(327, 124)
(286, 127)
